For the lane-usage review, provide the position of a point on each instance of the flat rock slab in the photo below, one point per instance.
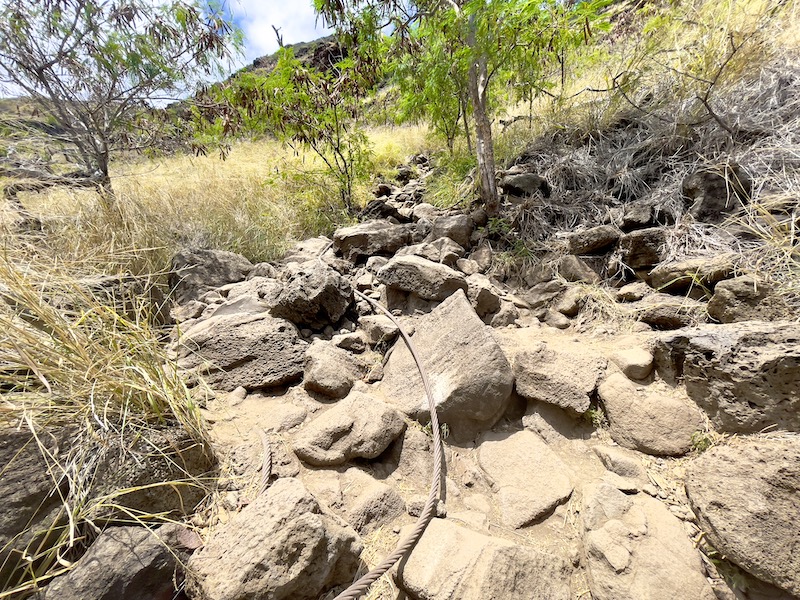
(529, 478)
(370, 238)
(251, 351)
(280, 546)
(637, 549)
(655, 419)
(747, 501)
(359, 426)
(425, 278)
(565, 375)
(746, 376)
(452, 562)
(470, 375)
(594, 239)
(691, 273)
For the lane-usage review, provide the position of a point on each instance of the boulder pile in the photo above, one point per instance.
(580, 460)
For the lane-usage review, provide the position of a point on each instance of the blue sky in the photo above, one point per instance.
(295, 18)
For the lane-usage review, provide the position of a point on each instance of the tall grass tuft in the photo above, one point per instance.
(85, 364)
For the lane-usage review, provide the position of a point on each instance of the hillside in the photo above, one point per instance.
(226, 369)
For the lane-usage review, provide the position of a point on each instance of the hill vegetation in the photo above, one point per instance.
(619, 113)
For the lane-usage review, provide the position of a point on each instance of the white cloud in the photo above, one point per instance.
(296, 20)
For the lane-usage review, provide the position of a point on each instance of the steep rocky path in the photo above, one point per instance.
(616, 451)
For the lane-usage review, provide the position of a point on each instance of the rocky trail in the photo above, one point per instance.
(650, 456)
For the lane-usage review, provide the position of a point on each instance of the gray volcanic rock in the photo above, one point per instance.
(313, 295)
(425, 278)
(746, 298)
(635, 362)
(471, 375)
(654, 419)
(280, 546)
(359, 426)
(715, 191)
(560, 376)
(252, 351)
(123, 563)
(593, 239)
(195, 271)
(691, 273)
(456, 227)
(745, 496)
(373, 237)
(636, 549)
(643, 248)
(441, 250)
(664, 311)
(29, 500)
(529, 479)
(331, 371)
(746, 376)
(451, 562)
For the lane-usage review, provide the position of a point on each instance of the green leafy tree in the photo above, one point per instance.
(300, 104)
(491, 43)
(93, 68)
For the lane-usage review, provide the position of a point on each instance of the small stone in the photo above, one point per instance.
(635, 363)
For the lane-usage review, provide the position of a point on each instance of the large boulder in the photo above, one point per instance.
(715, 191)
(124, 563)
(313, 295)
(643, 248)
(470, 375)
(251, 351)
(691, 274)
(529, 479)
(456, 227)
(282, 545)
(593, 240)
(636, 548)
(425, 278)
(655, 419)
(561, 375)
(746, 298)
(746, 376)
(745, 496)
(195, 271)
(359, 426)
(451, 562)
(373, 237)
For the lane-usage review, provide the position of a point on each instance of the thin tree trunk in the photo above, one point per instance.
(484, 146)
(466, 125)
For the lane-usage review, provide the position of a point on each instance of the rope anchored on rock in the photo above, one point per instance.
(360, 587)
(403, 549)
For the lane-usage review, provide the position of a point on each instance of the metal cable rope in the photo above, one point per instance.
(360, 587)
